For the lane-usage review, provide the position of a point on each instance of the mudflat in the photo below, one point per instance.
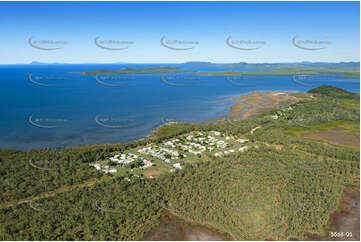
(172, 230)
(256, 102)
(347, 220)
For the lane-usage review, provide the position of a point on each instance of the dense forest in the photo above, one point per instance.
(285, 188)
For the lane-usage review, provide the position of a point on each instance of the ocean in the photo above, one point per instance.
(50, 106)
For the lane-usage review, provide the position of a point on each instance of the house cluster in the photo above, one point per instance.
(163, 153)
(121, 160)
(205, 142)
(105, 169)
(124, 159)
(280, 113)
(176, 166)
(241, 149)
(173, 151)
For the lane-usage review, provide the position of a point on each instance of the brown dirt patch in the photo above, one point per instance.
(152, 174)
(336, 136)
(348, 219)
(172, 230)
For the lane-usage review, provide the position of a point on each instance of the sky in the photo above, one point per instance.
(270, 31)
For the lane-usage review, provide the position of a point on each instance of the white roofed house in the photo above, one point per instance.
(242, 140)
(112, 170)
(114, 159)
(221, 144)
(147, 163)
(177, 166)
(243, 148)
(96, 165)
(127, 161)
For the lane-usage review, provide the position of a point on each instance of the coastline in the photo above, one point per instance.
(256, 102)
(244, 106)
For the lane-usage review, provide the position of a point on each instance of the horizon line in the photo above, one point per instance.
(210, 62)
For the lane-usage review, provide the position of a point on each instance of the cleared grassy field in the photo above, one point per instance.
(336, 132)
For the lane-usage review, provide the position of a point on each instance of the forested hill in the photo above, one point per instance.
(334, 92)
(284, 185)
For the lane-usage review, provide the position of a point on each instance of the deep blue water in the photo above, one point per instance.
(77, 110)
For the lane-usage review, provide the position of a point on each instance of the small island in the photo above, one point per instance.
(140, 70)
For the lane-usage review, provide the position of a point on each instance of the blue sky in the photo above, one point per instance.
(274, 24)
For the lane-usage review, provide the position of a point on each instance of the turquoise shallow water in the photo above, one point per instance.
(46, 106)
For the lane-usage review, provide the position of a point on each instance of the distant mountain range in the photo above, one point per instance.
(57, 63)
(265, 63)
(351, 64)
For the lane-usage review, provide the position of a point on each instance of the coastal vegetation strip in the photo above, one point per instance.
(337, 73)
